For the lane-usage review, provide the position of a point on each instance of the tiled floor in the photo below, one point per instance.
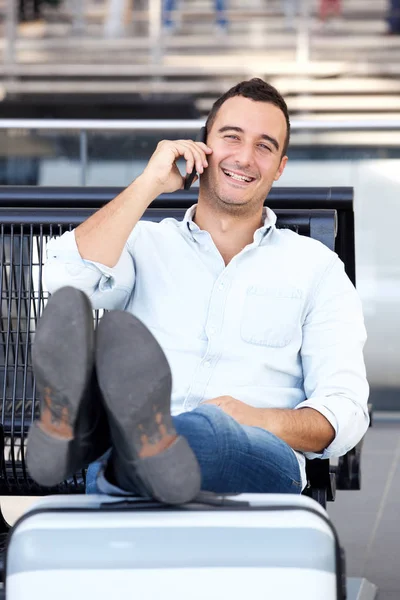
(368, 522)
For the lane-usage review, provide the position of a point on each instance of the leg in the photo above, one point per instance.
(235, 458)
(232, 458)
(148, 456)
(394, 16)
(168, 7)
(22, 10)
(289, 10)
(113, 25)
(335, 8)
(77, 10)
(72, 429)
(323, 9)
(329, 8)
(220, 11)
(36, 9)
(156, 455)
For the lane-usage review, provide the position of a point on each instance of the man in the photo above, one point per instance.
(261, 328)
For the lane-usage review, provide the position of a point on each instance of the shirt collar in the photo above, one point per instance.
(268, 216)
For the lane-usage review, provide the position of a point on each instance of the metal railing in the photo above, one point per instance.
(84, 126)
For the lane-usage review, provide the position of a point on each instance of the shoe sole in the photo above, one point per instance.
(135, 380)
(62, 359)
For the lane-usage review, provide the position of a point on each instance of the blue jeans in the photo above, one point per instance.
(169, 6)
(394, 16)
(233, 458)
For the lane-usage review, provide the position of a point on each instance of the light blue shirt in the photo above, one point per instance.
(280, 326)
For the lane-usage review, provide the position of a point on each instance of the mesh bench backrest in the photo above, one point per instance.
(23, 298)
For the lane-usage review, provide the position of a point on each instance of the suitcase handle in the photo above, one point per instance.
(202, 500)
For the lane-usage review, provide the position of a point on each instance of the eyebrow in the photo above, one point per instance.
(263, 136)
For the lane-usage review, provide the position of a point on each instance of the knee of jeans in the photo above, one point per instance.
(202, 427)
(219, 423)
(215, 416)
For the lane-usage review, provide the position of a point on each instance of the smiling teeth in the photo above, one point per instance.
(239, 177)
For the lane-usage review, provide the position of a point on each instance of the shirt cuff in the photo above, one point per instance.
(349, 420)
(66, 248)
(107, 287)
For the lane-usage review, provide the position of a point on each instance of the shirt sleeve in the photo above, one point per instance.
(107, 287)
(335, 380)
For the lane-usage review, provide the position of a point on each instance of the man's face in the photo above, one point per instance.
(247, 140)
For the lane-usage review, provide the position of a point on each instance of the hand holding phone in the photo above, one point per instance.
(201, 137)
(162, 174)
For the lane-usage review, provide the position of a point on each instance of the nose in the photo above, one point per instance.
(245, 156)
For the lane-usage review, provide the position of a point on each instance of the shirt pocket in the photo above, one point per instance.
(271, 315)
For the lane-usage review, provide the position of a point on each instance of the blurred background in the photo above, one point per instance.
(88, 88)
(102, 81)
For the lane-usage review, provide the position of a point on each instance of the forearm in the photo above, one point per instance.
(102, 237)
(305, 429)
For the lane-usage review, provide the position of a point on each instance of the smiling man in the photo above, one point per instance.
(232, 350)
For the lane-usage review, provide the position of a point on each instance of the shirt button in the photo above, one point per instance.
(221, 286)
(212, 330)
(207, 364)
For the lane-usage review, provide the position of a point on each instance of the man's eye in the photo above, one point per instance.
(232, 137)
(264, 147)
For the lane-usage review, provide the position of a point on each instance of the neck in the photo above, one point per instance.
(230, 233)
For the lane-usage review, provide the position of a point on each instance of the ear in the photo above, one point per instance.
(281, 168)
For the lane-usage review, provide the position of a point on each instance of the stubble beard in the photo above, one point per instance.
(209, 193)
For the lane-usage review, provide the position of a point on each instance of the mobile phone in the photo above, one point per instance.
(201, 137)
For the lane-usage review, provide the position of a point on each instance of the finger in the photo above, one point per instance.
(178, 147)
(204, 147)
(190, 160)
(188, 151)
(203, 151)
(200, 158)
(193, 159)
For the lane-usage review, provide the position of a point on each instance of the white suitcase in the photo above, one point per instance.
(252, 547)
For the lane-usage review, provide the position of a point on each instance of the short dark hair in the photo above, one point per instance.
(258, 90)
